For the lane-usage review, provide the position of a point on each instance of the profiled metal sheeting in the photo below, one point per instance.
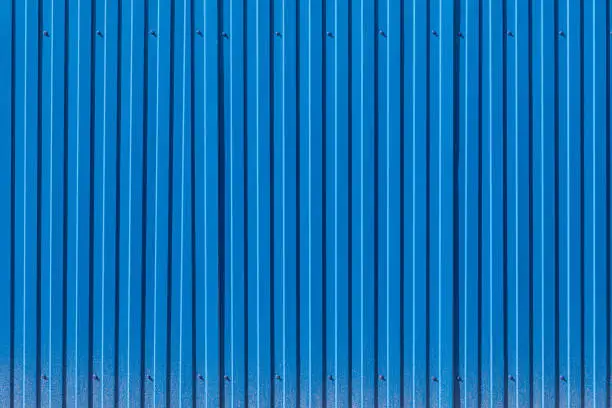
(305, 203)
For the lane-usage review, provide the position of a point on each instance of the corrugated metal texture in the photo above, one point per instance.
(314, 203)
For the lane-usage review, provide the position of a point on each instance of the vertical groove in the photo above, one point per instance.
(145, 155)
(531, 207)
(456, 290)
(402, 396)
(324, 135)
(582, 216)
(171, 133)
(272, 226)
(428, 390)
(92, 206)
(39, 204)
(245, 227)
(504, 113)
(455, 140)
(67, 55)
(481, 397)
(103, 209)
(556, 214)
(221, 201)
(376, 269)
(118, 208)
(609, 214)
(192, 204)
(531, 191)
(25, 150)
(13, 202)
(350, 202)
(298, 194)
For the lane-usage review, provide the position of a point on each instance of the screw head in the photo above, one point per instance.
(227, 378)
(95, 377)
(561, 33)
(382, 377)
(460, 35)
(44, 377)
(434, 379)
(509, 33)
(278, 34)
(330, 378)
(511, 377)
(153, 33)
(200, 377)
(459, 379)
(562, 378)
(434, 33)
(277, 377)
(199, 33)
(224, 35)
(99, 33)
(149, 378)
(46, 33)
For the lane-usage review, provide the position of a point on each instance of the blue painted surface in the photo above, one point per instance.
(314, 203)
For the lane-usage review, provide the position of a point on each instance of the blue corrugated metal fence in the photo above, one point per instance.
(305, 203)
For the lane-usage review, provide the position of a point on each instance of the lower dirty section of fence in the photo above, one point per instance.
(305, 203)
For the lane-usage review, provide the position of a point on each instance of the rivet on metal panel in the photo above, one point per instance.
(330, 34)
(225, 35)
(562, 378)
(44, 377)
(510, 377)
(46, 33)
(460, 35)
(331, 378)
(153, 33)
(434, 379)
(382, 33)
(382, 377)
(277, 34)
(459, 379)
(510, 33)
(227, 378)
(435, 33)
(199, 33)
(149, 377)
(278, 377)
(200, 377)
(561, 33)
(99, 33)
(95, 377)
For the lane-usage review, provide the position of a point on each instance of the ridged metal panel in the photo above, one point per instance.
(314, 203)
